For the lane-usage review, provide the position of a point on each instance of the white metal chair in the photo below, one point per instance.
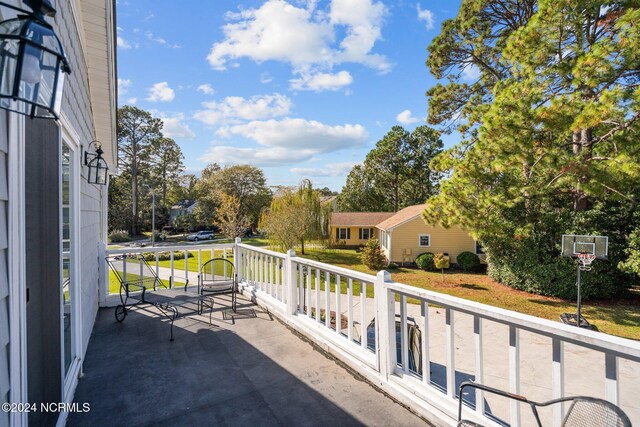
(584, 411)
(217, 276)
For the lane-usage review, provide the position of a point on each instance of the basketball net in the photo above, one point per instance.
(585, 260)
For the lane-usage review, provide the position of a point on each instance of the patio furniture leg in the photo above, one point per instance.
(175, 315)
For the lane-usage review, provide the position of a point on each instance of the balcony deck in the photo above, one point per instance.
(251, 370)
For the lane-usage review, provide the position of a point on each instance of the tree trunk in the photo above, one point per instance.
(582, 147)
(302, 245)
(134, 195)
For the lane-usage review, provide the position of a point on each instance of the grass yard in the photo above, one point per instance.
(114, 284)
(616, 317)
(619, 317)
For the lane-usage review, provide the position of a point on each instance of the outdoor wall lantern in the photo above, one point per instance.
(98, 168)
(32, 62)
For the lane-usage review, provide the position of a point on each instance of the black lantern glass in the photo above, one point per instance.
(98, 169)
(32, 63)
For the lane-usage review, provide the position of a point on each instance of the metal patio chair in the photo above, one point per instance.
(217, 276)
(583, 410)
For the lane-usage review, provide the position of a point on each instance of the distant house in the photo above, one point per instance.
(403, 235)
(355, 228)
(330, 200)
(183, 207)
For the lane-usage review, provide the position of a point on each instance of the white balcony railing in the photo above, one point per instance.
(420, 352)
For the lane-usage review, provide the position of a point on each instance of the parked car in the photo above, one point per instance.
(201, 235)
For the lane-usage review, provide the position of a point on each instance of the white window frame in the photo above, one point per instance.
(361, 231)
(346, 233)
(420, 236)
(70, 377)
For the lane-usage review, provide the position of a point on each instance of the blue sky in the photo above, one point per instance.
(301, 89)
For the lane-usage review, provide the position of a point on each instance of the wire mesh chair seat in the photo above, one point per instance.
(217, 276)
(583, 411)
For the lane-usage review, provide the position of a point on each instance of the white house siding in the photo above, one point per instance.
(76, 107)
(77, 112)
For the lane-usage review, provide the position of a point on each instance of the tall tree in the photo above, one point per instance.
(166, 159)
(247, 183)
(395, 174)
(548, 127)
(387, 163)
(119, 214)
(183, 188)
(229, 219)
(420, 180)
(137, 130)
(304, 212)
(360, 194)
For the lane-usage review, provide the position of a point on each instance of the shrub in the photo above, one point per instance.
(392, 266)
(119, 236)
(468, 261)
(372, 256)
(165, 256)
(425, 261)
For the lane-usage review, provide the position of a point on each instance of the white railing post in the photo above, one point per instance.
(290, 283)
(237, 263)
(385, 325)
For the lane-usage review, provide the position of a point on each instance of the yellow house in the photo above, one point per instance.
(405, 235)
(355, 228)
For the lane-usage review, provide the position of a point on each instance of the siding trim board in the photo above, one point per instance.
(16, 267)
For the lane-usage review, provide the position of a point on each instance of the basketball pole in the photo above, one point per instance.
(578, 319)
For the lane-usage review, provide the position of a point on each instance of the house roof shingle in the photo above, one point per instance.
(400, 217)
(358, 219)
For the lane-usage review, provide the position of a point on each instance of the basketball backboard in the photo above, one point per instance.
(572, 245)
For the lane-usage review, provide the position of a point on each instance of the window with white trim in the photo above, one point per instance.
(365, 233)
(424, 240)
(343, 233)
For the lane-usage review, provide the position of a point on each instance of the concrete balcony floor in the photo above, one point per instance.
(250, 370)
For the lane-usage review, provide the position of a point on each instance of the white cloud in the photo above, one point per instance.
(206, 88)
(150, 36)
(122, 43)
(266, 78)
(255, 156)
(330, 169)
(234, 108)
(123, 86)
(471, 73)
(161, 92)
(306, 38)
(406, 118)
(363, 22)
(174, 126)
(425, 15)
(322, 81)
(299, 134)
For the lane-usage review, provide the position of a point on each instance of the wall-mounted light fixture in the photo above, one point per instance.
(32, 62)
(98, 168)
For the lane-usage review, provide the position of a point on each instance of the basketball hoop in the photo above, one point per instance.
(585, 259)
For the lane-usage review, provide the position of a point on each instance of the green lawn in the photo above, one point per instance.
(619, 317)
(114, 284)
(615, 317)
